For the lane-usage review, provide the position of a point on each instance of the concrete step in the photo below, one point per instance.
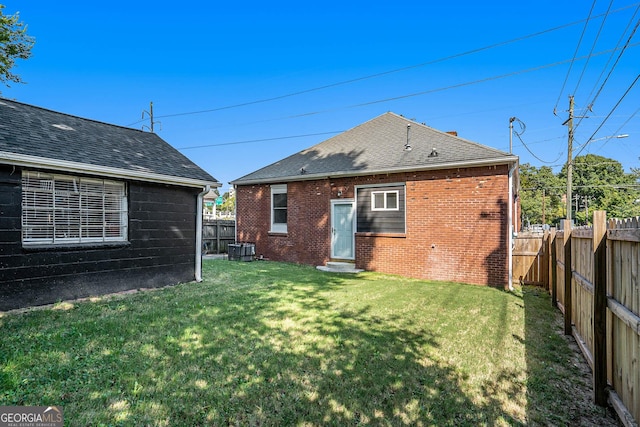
(339, 267)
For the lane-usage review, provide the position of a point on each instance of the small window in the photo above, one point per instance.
(384, 200)
(62, 209)
(279, 208)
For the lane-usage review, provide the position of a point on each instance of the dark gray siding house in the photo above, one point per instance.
(88, 208)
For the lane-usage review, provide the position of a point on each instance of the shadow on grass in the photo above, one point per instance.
(284, 354)
(559, 379)
(258, 344)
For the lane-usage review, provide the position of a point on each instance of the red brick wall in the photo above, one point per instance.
(456, 226)
(307, 240)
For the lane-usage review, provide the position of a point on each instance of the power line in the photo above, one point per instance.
(531, 152)
(612, 54)
(588, 186)
(593, 46)
(608, 115)
(584, 29)
(440, 89)
(501, 76)
(617, 132)
(260, 140)
(612, 68)
(371, 76)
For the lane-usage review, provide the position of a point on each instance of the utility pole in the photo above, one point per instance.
(544, 221)
(151, 115)
(511, 120)
(151, 121)
(569, 123)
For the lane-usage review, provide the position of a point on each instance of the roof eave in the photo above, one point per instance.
(104, 171)
(508, 160)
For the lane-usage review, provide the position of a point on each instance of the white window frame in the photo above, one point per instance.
(64, 209)
(385, 198)
(278, 227)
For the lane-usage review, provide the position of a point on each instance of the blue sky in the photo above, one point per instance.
(466, 66)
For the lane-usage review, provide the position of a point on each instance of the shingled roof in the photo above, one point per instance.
(379, 146)
(35, 137)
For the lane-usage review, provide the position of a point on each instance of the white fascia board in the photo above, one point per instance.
(340, 174)
(103, 171)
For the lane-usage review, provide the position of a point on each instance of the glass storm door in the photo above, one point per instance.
(342, 230)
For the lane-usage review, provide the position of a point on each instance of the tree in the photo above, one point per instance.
(229, 204)
(601, 183)
(540, 188)
(14, 44)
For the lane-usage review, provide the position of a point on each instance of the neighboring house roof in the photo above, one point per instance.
(378, 146)
(31, 136)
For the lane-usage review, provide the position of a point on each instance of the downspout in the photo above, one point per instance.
(235, 214)
(198, 274)
(510, 226)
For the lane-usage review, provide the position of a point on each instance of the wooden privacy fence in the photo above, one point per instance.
(531, 259)
(594, 280)
(217, 235)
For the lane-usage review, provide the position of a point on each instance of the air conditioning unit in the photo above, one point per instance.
(242, 251)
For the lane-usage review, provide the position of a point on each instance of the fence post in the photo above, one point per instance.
(218, 236)
(568, 273)
(554, 271)
(544, 274)
(600, 307)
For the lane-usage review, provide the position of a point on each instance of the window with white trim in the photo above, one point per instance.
(62, 209)
(279, 208)
(384, 200)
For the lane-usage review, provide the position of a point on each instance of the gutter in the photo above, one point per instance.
(198, 266)
(351, 173)
(102, 171)
(235, 216)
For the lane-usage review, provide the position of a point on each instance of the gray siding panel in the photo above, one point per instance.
(370, 221)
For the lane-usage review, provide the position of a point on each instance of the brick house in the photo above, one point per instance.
(88, 208)
(390, 195)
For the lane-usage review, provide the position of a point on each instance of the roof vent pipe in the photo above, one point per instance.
(407, 146)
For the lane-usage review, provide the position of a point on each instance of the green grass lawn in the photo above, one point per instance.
(267, 343)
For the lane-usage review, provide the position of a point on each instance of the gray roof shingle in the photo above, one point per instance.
(33, 131)
(378, 146)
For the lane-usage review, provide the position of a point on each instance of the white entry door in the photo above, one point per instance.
(342, 229)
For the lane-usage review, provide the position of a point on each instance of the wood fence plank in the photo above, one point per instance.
(567, 277)
(599, 245)
(628, 317)
(627, 235)
(624, 415)
(554, 271)
(592, 274)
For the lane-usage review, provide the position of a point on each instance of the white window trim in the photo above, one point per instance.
(54, 238)
(278, 227)
(385, 193)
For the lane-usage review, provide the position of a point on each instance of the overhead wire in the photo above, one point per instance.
(310, 113)
(617, 132)
(260, 140)
(454, 86)
(518, 135)
(593, 45)
(622, 50)
(608, 115)
(606, 65)
(384, 73)
(566, 78)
